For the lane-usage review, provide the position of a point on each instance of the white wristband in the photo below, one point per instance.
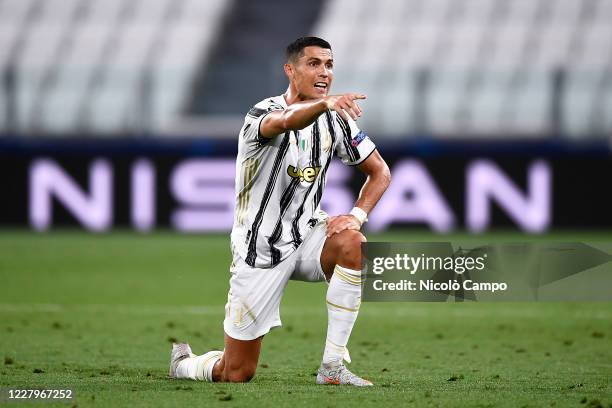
(361, 215)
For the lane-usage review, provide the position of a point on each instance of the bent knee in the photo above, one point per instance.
(240, 375)
(351, 240)
(350, 247)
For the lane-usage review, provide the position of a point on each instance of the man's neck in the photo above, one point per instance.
(291, 95)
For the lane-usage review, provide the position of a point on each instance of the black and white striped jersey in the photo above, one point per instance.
(280, 181)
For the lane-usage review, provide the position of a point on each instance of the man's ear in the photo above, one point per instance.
(289, 71)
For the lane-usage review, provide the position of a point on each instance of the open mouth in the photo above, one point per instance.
(320, 85)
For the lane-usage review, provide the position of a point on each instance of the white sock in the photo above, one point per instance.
(198, 367)
(343, 300)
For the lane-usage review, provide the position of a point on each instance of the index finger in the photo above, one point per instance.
(358, 96)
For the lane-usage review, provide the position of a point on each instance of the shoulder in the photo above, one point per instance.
(264, 106)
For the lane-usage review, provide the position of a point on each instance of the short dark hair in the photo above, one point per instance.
(296, 48)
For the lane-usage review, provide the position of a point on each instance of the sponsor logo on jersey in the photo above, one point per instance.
(359, 137)
(309, 174)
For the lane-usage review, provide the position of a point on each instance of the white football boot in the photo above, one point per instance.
(339, 375)
(180, 351)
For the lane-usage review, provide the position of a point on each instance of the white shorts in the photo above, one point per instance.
(253, 301)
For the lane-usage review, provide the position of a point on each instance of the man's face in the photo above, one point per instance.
(312, 72)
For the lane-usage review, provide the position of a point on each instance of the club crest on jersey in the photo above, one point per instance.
(359, 137)
(309, 174)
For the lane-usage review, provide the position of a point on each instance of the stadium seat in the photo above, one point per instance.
(81, 65)
(491, 62)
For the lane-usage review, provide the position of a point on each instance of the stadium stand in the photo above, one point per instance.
(450, 68)
(251, 58)
(87, 66)
(480, 67)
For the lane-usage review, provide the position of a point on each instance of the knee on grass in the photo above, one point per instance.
(240, 374)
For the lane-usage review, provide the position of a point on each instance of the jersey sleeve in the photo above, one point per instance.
(250, 132)
(354, 145)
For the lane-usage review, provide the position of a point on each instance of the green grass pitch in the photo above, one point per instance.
(97, 313)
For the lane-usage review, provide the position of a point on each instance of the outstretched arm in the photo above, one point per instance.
(301, 114)
(377, 182)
